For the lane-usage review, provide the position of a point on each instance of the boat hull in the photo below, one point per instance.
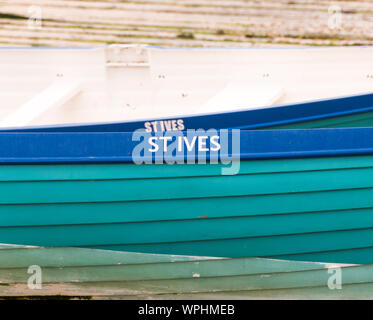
(352, 111)
(172, 84)
(363, 119)
(90, 273)
(311, 209)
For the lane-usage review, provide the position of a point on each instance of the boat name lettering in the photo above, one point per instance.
(164, 125)
(189, 146)
(189, 142)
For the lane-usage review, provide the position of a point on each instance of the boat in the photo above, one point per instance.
(352, 111)
(127, 87)
(78, 273)
(302, 195)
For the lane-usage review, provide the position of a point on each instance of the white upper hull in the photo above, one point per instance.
(118, 83)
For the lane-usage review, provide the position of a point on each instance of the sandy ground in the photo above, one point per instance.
(207, 23)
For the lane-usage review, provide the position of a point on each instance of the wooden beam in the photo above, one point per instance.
(243, 96)
(57, 94)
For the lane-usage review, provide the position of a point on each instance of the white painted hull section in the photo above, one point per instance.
(126, 83)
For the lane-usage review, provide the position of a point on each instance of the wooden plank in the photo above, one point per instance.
(243, 96)
(58, 93)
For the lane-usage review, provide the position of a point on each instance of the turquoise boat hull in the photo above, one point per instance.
(99, 274)
(310, 209)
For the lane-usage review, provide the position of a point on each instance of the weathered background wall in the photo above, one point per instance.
(208, 23)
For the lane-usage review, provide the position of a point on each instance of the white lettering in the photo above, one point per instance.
(156, 147)
(190, 146)
(202, 143)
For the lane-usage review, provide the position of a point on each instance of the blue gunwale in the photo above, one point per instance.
(114, 147)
